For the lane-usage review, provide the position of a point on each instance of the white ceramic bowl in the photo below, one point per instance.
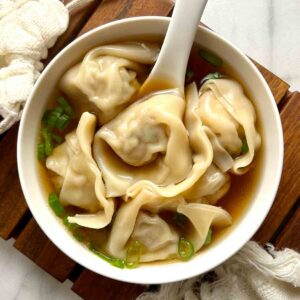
(263, 195)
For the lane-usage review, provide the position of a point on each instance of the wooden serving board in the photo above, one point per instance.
(282, 226)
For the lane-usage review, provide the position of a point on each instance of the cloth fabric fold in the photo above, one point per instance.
(28, 28)
(252, 273)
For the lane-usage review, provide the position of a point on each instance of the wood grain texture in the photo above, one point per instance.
(33, 243)
(290, 235)
(12, 203)
(92, 286)
(77, 20)
(277, 86)
(111, 10)
(289, 189)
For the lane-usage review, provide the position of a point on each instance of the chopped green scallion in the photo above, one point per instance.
(54, 116)
(55, 205)
(185, 249)
(133, 255)
(180, 219)
(215, 75)
(116, 262)
(57, 138)
(62, 122)
(41, 151)
(210, 58)
(45, 117)
(78, 236)
(208, 237)
(189, 75)
(66, 106)
(70, 226)
(245, 148)
(47, 141)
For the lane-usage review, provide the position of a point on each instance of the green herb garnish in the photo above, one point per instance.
(210, 58)
(66, 106)
(70, 226)
(208, 237)
(189, 75)
(47, 141)
(57, 138)
(41, 151)
(185, 249)
(116, 262)
(180, 219)
(55, 204)
(53, 116)
(244, 148)
(62, 122)
(133, 255)
(215, 75)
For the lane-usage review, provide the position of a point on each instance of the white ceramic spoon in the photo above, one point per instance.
(170, 67)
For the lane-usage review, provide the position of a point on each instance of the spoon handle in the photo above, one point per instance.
(171, 64)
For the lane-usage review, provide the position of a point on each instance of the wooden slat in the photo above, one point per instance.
(290, 235)
(289, 189)
(278, 87)
(12, 203)
(92, 286)
(33, 243)
(110, 10)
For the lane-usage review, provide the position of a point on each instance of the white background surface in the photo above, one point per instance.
(266, 30)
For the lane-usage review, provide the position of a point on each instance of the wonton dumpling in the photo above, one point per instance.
(211, 187)
(107, 78)
(156, 235)
(201, 216)
(229, 114)
(81, 180)
(155, 176)
(146, 142)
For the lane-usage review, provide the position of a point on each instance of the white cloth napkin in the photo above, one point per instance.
(28, 28)
(253, 273)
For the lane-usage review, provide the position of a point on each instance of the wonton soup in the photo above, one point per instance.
(151, 179)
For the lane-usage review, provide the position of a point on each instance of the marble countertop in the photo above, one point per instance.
(266, 30)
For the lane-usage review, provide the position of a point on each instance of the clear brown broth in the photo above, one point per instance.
(243, 188)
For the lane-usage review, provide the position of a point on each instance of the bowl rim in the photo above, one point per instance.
(138, 279)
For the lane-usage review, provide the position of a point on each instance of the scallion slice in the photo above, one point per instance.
(185, 249)
(54, 116)
(245, 147)
(208, 237)
(47, 141)
(215, 75)
(66, 106)
(55, 204)
(133, 255)
(180, 219)
(70, 226)
(189, 75)
(210, 58)
(57, 138)
(62, 122)
(116, 262)
(41, 151)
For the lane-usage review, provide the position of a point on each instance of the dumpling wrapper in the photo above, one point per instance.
(211, 187)
(156, 235)
(145, 144)
(202, 217)
(81, 180)
(106, 80)
(229, 114)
